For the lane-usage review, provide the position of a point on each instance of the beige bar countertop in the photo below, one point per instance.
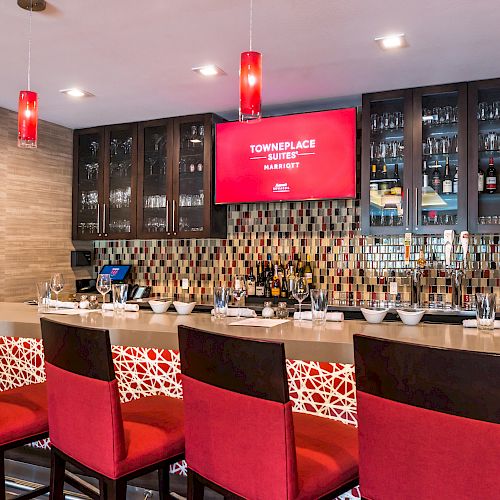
(332, 343)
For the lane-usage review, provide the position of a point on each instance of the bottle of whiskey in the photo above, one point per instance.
(275, 285)
(491, 177)
(447, 180)
(436, 178)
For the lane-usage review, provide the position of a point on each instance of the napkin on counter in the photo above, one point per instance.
(63, 305)
(244, 312)
(128, 307)
(472, 323)
(330, 316)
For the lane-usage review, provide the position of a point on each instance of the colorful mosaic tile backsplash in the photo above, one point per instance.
(352, 266)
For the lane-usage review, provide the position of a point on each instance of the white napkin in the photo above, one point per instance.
(128, 307)
(244, 312)
(330, 316)
(63, 305)
(472, 323)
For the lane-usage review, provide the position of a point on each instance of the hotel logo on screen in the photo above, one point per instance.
(294, 157)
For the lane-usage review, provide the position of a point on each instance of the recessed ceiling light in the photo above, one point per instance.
(392, 41)
(209, 70)
(74, 92)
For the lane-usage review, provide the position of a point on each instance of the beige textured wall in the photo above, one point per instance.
(35, 208)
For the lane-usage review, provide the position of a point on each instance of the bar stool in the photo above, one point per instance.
(23, 420)
(428, 421)
(242, 439)
(91, 429)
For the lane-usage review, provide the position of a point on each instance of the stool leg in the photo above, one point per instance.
(2, 475)
(116, 490)
(164, 482)
(57, 471)
(196, 489)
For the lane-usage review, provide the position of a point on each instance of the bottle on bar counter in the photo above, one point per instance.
(308, 272)
(275, 285)
(260, 283)
(284, 288)
(251, 284)
(491, 177)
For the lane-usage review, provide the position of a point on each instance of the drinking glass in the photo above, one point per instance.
(319, 306)
(300, 291)
(239, 291)
(120, 296)
(43, 295)
(57, 285)
(485, 310)
(103, 286)
(222, 296)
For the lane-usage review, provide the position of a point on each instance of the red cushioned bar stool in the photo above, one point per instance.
(428, 421)
(91, 429)
(23, 420)
(242, 439)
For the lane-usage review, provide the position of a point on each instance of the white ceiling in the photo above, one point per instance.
(136, 56)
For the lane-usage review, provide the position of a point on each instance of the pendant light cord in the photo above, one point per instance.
(251, 23)
(29, 46)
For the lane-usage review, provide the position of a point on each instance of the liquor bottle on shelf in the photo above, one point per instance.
(491, 177)
(308, 272)
(251, 284)
(425, 175)
(281, 269)
(275, 285)
(269, 268)
(455, 181)
(290, 277)
(260, 285)
(480, 180)
(397, 187)
(384, 185)
(447, 180)
(421, 262)
(299, 272)
(436, 179)
(284, 288)
(373, 178)
(267, 287)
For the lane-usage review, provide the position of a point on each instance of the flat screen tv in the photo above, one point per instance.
(118, 273)
(310, 156)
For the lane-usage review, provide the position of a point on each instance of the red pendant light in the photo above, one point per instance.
(250, 81)
(27, 117)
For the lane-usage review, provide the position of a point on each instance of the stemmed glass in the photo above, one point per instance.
(300, 291)
(103, 286)
(57, 285)
(239, 291)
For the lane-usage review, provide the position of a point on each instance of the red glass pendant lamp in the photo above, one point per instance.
(250, 81)
(27, 118)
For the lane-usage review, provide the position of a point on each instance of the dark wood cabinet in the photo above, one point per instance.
(413, 141)
(484, 149)
(153, 179)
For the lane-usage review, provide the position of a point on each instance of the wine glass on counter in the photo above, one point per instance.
(239, 291)
(57, 285)
(300, 292)
(103, 286)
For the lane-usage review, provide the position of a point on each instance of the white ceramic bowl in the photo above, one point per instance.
(160, 306)
(374, 315)
(184, 307)
(411, 317)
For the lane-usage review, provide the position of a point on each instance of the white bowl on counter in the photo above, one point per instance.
(411, 317)
(184, 307)
(160, 306)
(374, 315)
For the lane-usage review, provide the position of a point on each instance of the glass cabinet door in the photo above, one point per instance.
(191, 203)
(88, 185)
(440, 166)
(155, 179)
(386, 175)
(119, 208)
(484, 156)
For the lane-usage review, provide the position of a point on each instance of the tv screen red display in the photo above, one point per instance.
(307, 156)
